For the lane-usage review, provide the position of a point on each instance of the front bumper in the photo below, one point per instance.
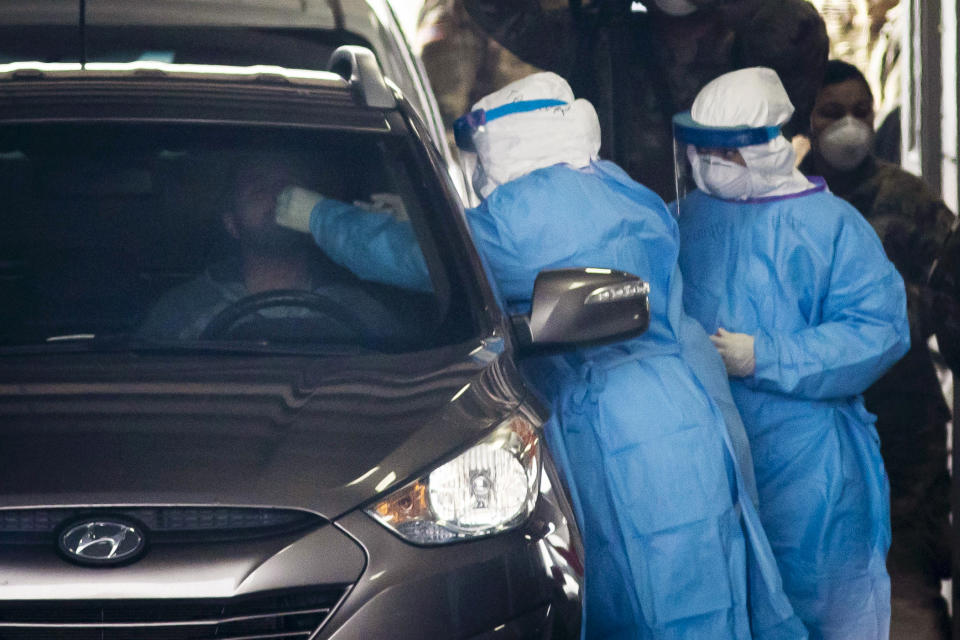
(349, 579)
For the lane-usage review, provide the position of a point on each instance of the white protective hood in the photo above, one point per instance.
(517, 144)
(754, 97)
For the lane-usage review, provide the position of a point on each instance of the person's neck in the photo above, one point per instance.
(840, 181)
(267, 273)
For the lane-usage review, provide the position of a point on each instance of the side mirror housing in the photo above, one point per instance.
(583, 307)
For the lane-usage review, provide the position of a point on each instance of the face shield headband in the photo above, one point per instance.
(702, 157)
(686, 130)
(467, 125)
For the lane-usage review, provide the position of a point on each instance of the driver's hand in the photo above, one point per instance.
(294, 206)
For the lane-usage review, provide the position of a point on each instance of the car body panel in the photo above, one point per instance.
(325, 434)
(237, 431)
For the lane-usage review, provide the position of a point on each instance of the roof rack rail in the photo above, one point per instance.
(359, 67)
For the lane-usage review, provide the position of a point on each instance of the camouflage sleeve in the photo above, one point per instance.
(936, 243)
(545, 38)
(453, 50)
(913, 224)
(790, 37)
(926, 304)
(945, 283)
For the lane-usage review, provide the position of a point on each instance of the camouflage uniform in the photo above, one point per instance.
(946, 281)
(462, 62)
(639, 69)
(913, 224)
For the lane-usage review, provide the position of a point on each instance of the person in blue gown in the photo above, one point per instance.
(665, 496)
(806, 312)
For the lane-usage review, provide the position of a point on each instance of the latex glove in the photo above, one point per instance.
(294, 206)
(736, 349)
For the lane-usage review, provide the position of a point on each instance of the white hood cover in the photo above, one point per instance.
(754, 97)
(516, 144)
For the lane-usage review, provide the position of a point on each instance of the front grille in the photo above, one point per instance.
(165, 524)
(291, 615)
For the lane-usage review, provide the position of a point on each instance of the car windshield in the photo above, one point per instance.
(164, 236)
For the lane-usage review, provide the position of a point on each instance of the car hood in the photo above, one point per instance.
(320, 434)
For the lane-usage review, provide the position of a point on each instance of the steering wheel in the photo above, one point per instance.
(345, 318)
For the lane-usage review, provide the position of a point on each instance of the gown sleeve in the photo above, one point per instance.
(863, 328)
(374, 245)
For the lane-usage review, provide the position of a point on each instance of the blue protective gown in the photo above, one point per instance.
(807, 276)
(673, 541)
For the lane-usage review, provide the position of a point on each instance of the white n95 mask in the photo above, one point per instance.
(721, 178)
(676, 7)
(845, 143)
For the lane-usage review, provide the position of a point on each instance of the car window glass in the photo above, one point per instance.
(153, 232)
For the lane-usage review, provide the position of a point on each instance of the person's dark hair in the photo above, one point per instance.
(790, 37)
(839, 71)
(298, 164)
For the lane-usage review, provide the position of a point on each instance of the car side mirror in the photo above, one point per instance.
(582, 307)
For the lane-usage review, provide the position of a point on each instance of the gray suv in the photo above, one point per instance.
(209, 428)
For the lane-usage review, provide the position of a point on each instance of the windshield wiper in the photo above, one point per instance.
(67, 343)
(72, 337)
(226, 346)
(113, 343)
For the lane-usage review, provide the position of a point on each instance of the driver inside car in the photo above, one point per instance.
(268, 258)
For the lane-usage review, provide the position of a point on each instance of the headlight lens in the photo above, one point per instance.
(489, 488)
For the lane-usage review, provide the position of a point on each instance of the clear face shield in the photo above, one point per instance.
(709, 158)
(464, 129)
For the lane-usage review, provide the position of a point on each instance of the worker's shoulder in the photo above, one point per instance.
(588, 197)
(820, 213)
(889, 172)
(835, 221)
(826, 204)
(596, 182)
(894, 184)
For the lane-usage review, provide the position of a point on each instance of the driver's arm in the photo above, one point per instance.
(374, 245)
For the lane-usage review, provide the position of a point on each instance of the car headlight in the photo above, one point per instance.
(491, 487)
